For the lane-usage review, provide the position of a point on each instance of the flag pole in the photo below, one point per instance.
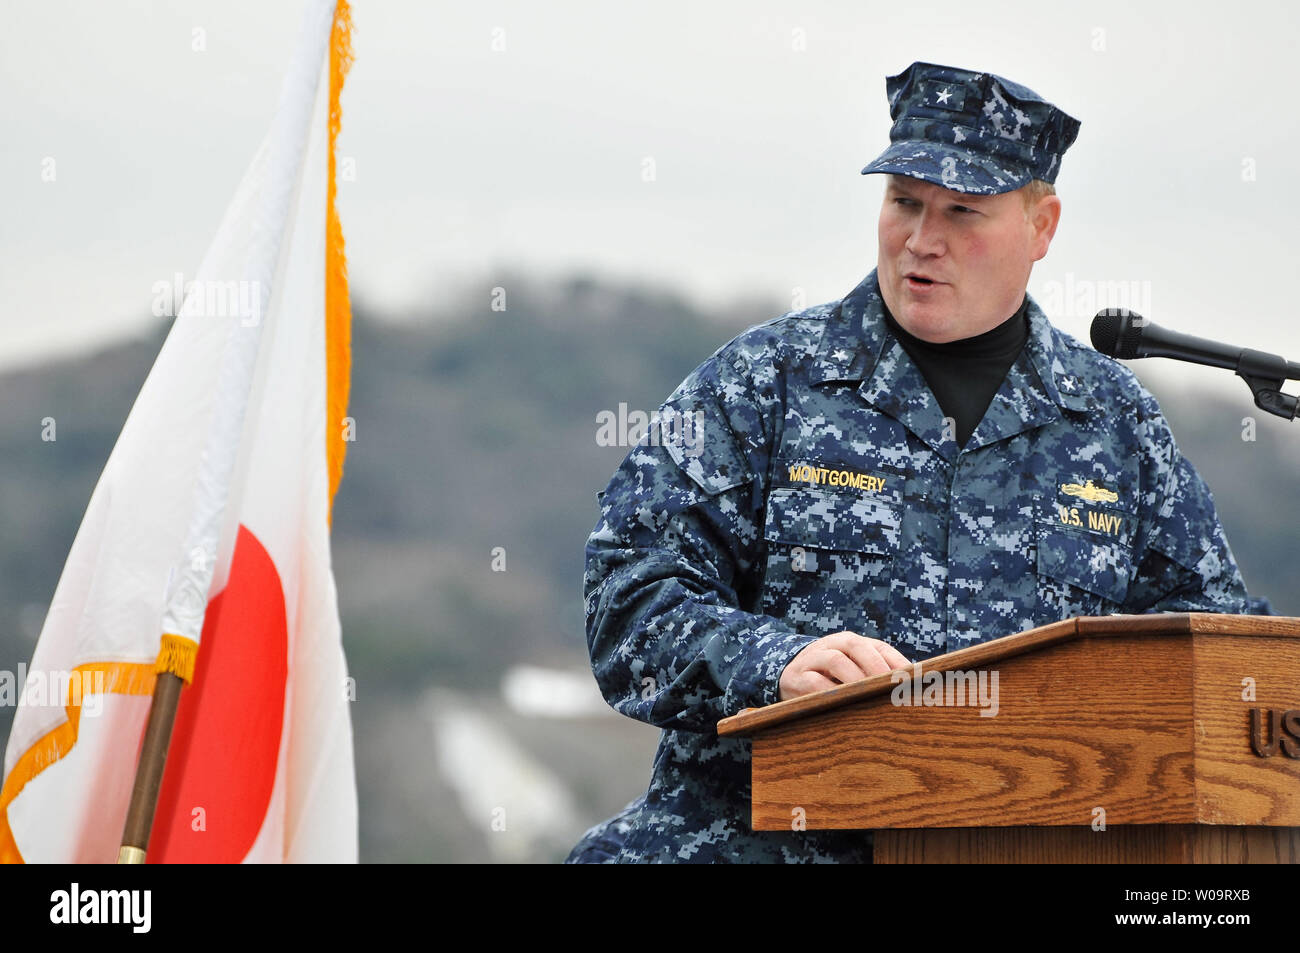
(149, 774)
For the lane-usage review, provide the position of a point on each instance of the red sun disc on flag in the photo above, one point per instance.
(226, 742)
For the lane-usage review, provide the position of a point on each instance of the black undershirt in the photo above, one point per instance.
(964, 375)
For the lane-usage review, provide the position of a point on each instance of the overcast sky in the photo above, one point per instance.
(758, 117)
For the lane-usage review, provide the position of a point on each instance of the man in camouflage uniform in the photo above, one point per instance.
(878, 480)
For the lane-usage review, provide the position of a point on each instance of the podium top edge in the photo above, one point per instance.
(754, 721)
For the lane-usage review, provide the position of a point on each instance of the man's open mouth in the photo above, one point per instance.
(919, 280)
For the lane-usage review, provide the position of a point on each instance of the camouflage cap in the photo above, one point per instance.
(971, 132)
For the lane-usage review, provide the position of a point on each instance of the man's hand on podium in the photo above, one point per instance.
(836, 660)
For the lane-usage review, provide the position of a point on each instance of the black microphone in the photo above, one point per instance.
(1124, 334)
(1118, 332)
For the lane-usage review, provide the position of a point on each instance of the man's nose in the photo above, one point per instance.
(927, 237)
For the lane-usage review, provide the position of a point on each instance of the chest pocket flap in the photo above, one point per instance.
(832, 520)
(1093, 562)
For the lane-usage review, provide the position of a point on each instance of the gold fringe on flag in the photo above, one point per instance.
(338, 307)
(177, 656)
(110, 678)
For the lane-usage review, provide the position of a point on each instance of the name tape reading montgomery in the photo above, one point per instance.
(802, 473)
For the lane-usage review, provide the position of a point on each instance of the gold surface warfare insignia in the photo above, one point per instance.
(1090, 491)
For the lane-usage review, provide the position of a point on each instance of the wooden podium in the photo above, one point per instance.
(1163, 738)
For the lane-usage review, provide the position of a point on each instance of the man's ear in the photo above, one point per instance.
(1043, 219)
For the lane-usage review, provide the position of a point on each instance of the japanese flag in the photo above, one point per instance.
(205, 548)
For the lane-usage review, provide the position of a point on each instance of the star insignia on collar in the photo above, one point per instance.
(1068, 383)
(840, 355)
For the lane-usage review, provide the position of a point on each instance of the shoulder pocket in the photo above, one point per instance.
(696, 434)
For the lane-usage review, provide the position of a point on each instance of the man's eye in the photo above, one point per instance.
(962, 208)
(903, 200)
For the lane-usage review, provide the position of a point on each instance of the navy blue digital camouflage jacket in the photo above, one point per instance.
(803, 481)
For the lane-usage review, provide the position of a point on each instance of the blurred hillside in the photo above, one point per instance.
(476, 443)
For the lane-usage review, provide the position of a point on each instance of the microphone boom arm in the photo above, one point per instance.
(1264, 373)
(1123, 334)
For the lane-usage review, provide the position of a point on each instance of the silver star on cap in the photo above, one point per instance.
(944, 95)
